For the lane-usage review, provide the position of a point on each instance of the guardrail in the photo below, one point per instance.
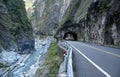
(67, 58)
(69, 65)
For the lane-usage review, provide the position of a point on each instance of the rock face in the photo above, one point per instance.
(94, 21)
(100, 23)
(46, 16)
(15, 29)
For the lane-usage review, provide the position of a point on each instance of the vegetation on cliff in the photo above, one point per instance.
(14, 25)
(51, 64)
(18, 16)
(2, 65)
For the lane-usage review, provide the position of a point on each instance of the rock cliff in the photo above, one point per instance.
(94, 21)
(46, 16)
(15, 28)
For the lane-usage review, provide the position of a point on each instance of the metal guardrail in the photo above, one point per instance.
(69, 65)
(67, 58)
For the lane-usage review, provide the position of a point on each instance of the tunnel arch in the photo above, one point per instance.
(72, 34)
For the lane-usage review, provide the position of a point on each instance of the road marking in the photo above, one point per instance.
(102, 50)
(100, 69)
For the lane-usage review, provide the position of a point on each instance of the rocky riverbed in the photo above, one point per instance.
(23, 65)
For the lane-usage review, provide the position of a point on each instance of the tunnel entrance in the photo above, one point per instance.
(70, 36)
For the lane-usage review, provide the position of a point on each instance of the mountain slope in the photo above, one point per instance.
(15, 28)
(93, 21)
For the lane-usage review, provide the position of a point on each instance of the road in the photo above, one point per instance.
(95, 61)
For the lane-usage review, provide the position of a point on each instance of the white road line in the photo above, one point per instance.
(100, 69)
(102, 50)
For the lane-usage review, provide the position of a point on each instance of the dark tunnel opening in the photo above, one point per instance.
(70, 36)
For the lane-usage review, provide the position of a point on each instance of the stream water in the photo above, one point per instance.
(33, 60)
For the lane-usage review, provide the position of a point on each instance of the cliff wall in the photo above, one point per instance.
(15, 28)
(94, 21)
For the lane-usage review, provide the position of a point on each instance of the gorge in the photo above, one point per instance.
(89, 21)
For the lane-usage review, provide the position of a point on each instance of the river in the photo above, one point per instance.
(33, 60)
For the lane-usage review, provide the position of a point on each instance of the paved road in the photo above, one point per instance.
(95, 61)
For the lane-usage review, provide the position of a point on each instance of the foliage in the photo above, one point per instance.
(3, 43)
(14, 23)
(2, 65)
(52, 60)
(105, 4)
(18, 15)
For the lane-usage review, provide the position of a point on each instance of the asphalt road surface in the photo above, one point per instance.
(95, 61)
